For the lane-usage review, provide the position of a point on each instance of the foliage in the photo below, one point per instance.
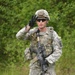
(15, 14)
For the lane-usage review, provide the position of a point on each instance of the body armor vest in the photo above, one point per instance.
(45, 38)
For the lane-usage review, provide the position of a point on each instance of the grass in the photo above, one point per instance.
(61, 69)
(15, 70)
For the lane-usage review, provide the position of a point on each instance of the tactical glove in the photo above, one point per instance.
(32, 21)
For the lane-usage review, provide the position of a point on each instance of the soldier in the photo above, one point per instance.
(47, 36)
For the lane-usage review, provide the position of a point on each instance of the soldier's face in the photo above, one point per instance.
(41, 23)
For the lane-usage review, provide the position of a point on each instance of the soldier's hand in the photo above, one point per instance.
(32, 21)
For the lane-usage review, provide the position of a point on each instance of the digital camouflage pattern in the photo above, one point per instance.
(42, 13)
(51, 41)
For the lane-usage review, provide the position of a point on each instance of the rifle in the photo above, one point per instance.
(41, 55)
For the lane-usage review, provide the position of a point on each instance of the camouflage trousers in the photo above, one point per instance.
(35, 70)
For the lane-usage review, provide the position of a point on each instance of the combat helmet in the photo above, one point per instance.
(42, 13)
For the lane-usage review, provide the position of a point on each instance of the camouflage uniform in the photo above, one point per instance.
(51, 42)
(45, 38)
